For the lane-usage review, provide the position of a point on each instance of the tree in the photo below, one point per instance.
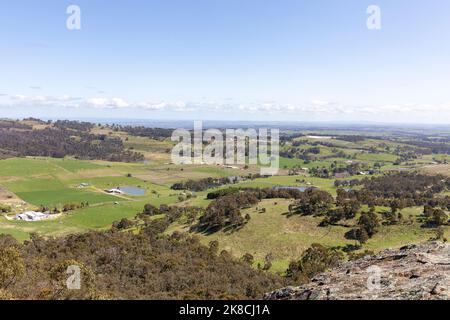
(226, 211)
(150, 210)
(428, 211)
(439, 217)
(268, 261)
(350, 208)
(361, 236)
(390, 217)
(5, 208)
(346, 209)
(314, 202)
(59, 280)
(369, 222)
(123, 224)
(247, 258)
(314, 260)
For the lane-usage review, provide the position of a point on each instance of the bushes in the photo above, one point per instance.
(11, 266)
(220, 193)
(208, 183)
(123, 224)
(405, 189)
(148, 265)
(71, 206)
(359, 234)
(313, 202)
(369, 222)
(5, 208)
(314, 260)
(434, 217)
(368, 225)
(203, 184)
(345, 210)
(150, 210)
(225, 211)
(172, 213)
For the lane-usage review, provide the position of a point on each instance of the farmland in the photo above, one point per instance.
(316, 159)
(54, 182)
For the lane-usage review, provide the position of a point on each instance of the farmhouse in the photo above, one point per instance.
(31, 216)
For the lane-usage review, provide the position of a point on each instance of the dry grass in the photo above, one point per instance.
(443, 169)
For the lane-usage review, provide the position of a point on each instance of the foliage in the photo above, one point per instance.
(313, 202)
(61, 141)
(314, 260)
(122, 265)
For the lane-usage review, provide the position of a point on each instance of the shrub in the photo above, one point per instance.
(314, 260)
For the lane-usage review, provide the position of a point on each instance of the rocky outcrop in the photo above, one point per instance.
(417, 272)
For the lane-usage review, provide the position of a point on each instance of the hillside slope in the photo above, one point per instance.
(413, 272)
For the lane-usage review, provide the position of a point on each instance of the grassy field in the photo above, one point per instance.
(273, 232)
(55, 182)
(287, 237)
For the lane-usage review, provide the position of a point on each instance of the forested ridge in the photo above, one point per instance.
(64, 138)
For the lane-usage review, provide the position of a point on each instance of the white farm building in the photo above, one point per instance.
(31, 216)
(114, 191)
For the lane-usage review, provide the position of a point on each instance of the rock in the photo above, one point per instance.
(413, 272)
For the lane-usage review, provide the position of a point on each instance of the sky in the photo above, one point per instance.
(296, 60)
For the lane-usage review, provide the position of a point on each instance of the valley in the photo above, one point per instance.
(309, 159)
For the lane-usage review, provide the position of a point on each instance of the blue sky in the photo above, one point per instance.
(305, 60)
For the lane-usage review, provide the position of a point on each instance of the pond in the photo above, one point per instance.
(133, 191)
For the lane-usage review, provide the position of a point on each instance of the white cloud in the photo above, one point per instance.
(314, 109)
(19, 97)
(119, 103)
(42, 99)
(98, 102)
(319, 102)
(113, 103)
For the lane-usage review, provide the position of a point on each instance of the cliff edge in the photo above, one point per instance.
(413, 272)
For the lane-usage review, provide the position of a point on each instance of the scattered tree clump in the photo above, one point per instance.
(314, 260)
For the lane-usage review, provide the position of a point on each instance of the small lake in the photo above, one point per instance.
(133, 191)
